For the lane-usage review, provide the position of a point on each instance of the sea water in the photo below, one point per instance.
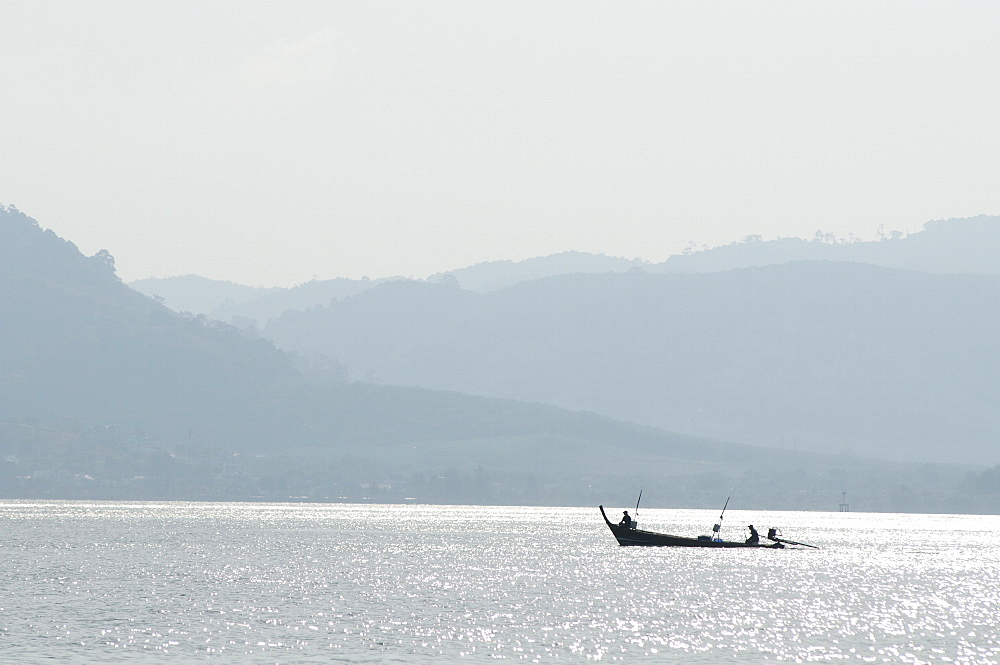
(106, 582)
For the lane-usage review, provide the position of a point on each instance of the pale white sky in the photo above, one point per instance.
(270, 142)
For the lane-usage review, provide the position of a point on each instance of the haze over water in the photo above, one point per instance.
(321, 583)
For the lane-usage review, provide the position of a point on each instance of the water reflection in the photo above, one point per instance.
(318, 583)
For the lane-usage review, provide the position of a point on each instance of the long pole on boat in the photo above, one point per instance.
(717, 529)
(637, 506)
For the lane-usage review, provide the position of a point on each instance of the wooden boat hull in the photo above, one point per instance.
(628, 537)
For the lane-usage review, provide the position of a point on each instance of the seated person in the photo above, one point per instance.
(754, 537)
(626, 520)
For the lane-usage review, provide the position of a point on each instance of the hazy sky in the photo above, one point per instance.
(270, 142)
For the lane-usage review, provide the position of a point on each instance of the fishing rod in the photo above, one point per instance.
(718, 527)
(636, 520)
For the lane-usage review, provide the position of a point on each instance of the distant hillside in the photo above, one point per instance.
(495, 275)
(816, 356)
(244, 305)
(273, 304)
(197, 295)
(962, 246)
(76, 343)
(105, 392)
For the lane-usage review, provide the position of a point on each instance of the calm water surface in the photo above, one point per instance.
(321, 583)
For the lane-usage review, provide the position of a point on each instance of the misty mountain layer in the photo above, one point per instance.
(105, 393)
(818, 356)
(79, 350)
(965, 246)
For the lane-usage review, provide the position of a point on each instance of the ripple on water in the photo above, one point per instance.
(295, 583)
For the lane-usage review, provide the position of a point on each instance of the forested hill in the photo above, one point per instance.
(105, 393)
(962, 246)
(817, 356)
(198, 295)
(76, 342)
(77, 345)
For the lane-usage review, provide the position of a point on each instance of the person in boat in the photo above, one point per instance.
(754, 536)
(626, 520)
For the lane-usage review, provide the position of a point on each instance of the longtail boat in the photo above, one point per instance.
(629, 535)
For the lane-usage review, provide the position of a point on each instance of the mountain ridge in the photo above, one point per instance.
(159, 399)
(105, 393)
(671, 350)
(972, 243)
